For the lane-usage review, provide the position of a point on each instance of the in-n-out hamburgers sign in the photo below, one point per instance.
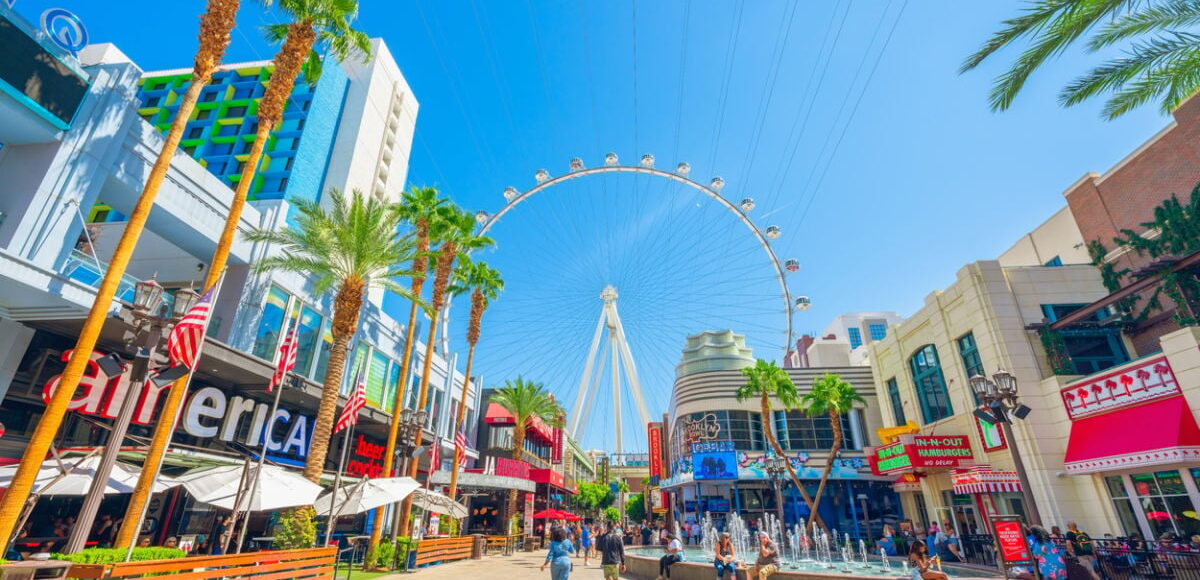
(208, 413)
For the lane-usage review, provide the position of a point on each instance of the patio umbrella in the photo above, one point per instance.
(544, 514)
(277, 488)
(570, 517)
(367, 495)
(437, 503)
(74, 476)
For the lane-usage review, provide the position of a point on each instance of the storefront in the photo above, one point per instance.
(1133, 428)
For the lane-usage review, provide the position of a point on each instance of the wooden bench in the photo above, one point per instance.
(278, 565)
(442, 550)
(501, 544)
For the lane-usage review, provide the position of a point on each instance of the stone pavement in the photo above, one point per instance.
(520, 566)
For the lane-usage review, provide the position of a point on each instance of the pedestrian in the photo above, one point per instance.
(767, 562)
(612, 552)
(922, 564)
(1079, 544)
(1047, 554)
(725, 559)
(585, 540)
(946, 544)
(696, 533)
(559, 554)
(1056, 533)
(674, 554)
(888, 541)
(646, 532)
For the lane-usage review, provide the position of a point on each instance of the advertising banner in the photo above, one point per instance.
(528, 514)
(921, 451)
(715, 465)
(556, 447)
(1011, 544)
(654, 436)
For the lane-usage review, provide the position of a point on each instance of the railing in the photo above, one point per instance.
(85, 268)
(1114, 559)
(443, 550)
(501, 544)
(313, 563)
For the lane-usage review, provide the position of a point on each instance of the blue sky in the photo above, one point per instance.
(900, 176)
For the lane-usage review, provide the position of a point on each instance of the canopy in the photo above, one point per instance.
(554, 514)
(437, 503)
(1155, 433)
(74, 477)
(277, 487)
(367, 495)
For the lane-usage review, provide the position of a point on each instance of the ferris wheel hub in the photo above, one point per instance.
(609, 294)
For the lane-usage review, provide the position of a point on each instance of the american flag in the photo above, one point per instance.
(460, 447)
(184, 343)
(287, 357)
(434, 460)
(357, 400)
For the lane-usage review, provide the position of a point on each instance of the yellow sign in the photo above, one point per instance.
(890, 434)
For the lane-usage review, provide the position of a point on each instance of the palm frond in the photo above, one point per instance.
(1164, 17)
(1144, 61)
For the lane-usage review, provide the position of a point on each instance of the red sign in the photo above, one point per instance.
(1132, 384)
(556, 447)
(511, 468)
(366, 458)
(654, 436)
(1011, 543)
(921, 451)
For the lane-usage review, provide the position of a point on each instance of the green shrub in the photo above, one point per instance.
(297, 529)
(114, 555)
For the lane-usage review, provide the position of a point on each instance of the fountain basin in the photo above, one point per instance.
(642, 564)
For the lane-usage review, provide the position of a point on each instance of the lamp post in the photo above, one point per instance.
(411, 422)
(151, 322)
(999, 395)
(776, 466)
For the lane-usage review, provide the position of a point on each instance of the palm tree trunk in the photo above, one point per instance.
(835, 421)
(518, 450)
(215, 26)
(769, 431)
(477, 305)
(389, 455)
(346, 308)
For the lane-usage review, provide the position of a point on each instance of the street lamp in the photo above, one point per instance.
(776, 466)
(1001, 403)
(151, 322)
(411, 423)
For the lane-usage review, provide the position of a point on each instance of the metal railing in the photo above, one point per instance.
(1113, 559)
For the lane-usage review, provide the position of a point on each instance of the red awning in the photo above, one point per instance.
(497, 415)
(1156, 433)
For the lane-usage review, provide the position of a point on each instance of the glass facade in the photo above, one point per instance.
(800, 432)
(855, 338)
(1164, 500)
(270, 324)
(877, 331)
(893, 391)
(930, 384)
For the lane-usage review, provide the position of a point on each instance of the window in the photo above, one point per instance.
(203, 114)
(1091, 349)
(1121, 503)
(306, 337)
(236, 112)
(227, 130)
(930, 384)
(283, 184)
(855, 338)
(243, 92)
(195, 132)
(220, 148)
(323, 355)
(969, 351)
(877, 331)
(153, 101)
(190, 150)
(377, 378)
(745, 430)
(893, 391)
(797, 431)
(208, 96)
(270, 324)
(287, 166)
(1164, 493)
(1055, 261)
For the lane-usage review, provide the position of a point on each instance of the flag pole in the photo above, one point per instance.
(269, 427)
(237, 504)
(337, 484)
(185, 383)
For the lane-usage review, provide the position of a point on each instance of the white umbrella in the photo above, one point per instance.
(74, 476)
(367, 495)
(437, 503)
(277, 488)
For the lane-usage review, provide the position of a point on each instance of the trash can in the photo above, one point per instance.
(35, 570)
(478, 546)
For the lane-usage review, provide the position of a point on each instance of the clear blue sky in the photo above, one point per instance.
(881, 200)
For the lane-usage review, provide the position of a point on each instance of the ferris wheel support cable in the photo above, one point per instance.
(587, 373)
(764, 103)
(635, 386)
(616, 392)
(593, 389)
(735, 33)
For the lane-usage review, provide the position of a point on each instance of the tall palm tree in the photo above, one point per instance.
(484, 284)
(834, 397)
(1160, 60)
(423, 208)
(765, 380)
(525, 401)
(216, 23)
(347, 249)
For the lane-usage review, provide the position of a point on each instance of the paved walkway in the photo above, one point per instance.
(520, 566)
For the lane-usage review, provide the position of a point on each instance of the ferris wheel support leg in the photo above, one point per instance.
(616, 389)
(635, 386)
(593, 388)
(584, 381)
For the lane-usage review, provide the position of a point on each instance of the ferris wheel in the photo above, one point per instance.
(608, 270)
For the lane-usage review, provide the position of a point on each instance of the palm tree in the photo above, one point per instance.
(422, 207)
(525, 401)
(347, 249)
(1161, 52)
(484, 284)
(215, 26)
(765, 380)
(456, 230)
(832, 396)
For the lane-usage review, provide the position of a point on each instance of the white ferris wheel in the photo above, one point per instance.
(676, 254)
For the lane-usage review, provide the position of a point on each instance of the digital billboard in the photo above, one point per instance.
(714, 465)
(34, 75)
